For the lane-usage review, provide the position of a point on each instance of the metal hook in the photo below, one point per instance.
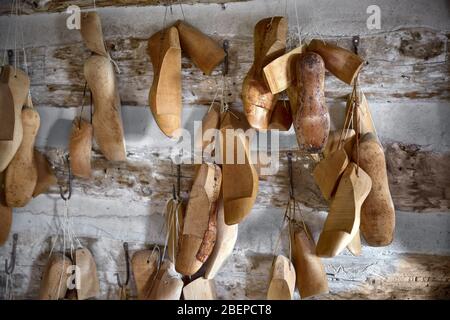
(63, 196)
(9, 268)
(291, 178)
(226, 63)
(355, 42)
(127, 262)
(176, 190)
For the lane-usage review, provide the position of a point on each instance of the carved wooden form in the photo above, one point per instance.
(200, 289)
(239, 195)
(328, 172)
(210, 121)
(168, 283)
(19, 85)
(348, 140)
(89, 284)
(226, 240)
(312, 120)
(165, 93)
(310, 272)
(106, 119)
(145, 266)
(343, 219)
(281, 118)
(355, 245)
(280, 74)
(92, 34)
(201, 49)
(100, 76)
(80, 146)
(200, 223)
(342, 63)
(54, 279)
(21, 174)
(270, 43)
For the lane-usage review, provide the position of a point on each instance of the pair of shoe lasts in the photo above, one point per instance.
(14, 94)
(378, 211)
(281, 73)
(28, 173)
(196, 238)
(100, 76)
(59, 269)
(345, 189)
(238, 195)
(226, 236)
(359, 198)
(164, 49)
(306, 271)
(45, 179)
(164, 282)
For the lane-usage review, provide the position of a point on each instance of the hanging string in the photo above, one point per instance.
(65, 230)
(181, 8)
(15, 40)
(25, 61)
(298, 25)
(280, 234)
(293, 201)
(173, 207)
(290, 215)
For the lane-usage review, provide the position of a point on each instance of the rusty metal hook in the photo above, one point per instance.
(9, 267)
(69, 184)
(291, 176)
(127, 262)
(176, 190)
(355, 42)
(226, 61)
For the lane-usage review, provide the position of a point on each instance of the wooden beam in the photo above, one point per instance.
(405, 74)
(419, 180)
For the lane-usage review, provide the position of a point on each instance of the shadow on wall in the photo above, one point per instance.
(59, 133)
